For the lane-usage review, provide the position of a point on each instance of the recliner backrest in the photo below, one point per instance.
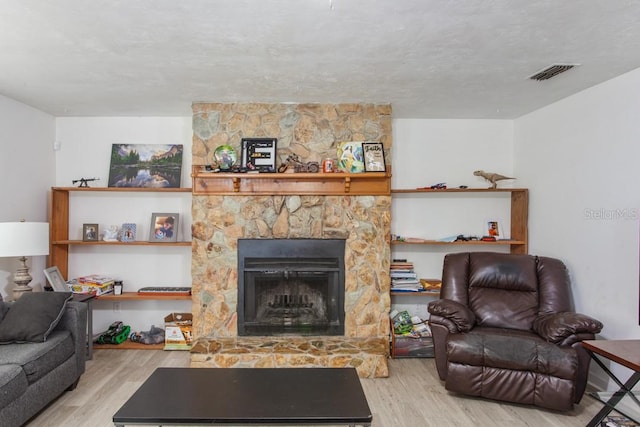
(506, 290)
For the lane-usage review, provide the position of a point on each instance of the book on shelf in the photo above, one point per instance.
(92, 284)
(401, 266)
(403, 275)
(406, 283)
(95, 279)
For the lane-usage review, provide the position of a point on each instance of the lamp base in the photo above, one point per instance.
(22, 278)
(20, 290)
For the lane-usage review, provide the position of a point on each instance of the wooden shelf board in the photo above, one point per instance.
(416, 294)
(128, 345)
(458, 190)
(469, 242)
(135, 296)
(134, 243)
(125, 189)
(251, 184)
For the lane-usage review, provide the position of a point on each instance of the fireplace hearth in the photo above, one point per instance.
(290, 287)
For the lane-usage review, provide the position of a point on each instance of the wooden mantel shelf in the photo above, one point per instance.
(241, 184)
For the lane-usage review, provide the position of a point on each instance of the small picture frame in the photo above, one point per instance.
(55, 279)
(128, 232)
(350, 157)
(90, 233)
(493, 228)
(164, 227)
(373, 153)
(259, 154)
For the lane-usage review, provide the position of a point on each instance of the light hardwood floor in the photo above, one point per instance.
(412, 396)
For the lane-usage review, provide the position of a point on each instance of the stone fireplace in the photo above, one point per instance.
(358, 329)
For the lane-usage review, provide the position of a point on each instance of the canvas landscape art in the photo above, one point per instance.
(146, 165)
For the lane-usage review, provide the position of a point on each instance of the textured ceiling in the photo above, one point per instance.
(428, 58)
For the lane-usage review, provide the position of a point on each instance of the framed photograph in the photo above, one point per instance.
(373, 153)
(164, 227)
(55, 279)
(259, 154)
(146, 165)
(128, 232)
(350, 157)
(493, 228)
(90, 232)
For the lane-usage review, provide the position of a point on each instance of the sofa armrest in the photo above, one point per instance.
(74, 320)
(460, 316)
(557, 327)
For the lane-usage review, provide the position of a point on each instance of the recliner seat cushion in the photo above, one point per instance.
(484, 348)
(517, 367)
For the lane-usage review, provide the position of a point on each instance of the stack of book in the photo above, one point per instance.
(403, 277)
(93, 284)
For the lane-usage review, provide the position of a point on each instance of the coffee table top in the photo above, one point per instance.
(248, 396)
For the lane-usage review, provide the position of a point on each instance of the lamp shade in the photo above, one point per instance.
(18, 239)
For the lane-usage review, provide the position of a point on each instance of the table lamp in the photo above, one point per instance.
(23, 239)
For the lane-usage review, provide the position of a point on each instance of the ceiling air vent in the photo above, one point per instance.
(552, 71)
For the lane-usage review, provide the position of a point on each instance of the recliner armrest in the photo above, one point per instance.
(460, 315)
(557, 327)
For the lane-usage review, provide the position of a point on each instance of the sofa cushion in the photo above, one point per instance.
(13, 383)
(38, 359)
(33, 316)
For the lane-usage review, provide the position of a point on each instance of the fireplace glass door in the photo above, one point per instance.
(291, 295)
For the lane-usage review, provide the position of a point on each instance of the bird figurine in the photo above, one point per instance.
(493, 178)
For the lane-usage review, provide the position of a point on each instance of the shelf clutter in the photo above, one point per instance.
(176, 335)
(410, 336)
(405, 279)
(95, 284)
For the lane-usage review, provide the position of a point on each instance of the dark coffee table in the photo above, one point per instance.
(261, 396)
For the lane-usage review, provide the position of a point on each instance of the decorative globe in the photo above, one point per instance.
(225, 156)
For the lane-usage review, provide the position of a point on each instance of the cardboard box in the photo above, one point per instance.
(178, 332)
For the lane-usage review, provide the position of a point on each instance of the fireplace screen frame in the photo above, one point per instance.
(329, 252)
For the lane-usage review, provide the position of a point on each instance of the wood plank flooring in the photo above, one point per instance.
(412, 396)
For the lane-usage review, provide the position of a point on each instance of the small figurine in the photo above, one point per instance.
(83, 182)
(299, 165)
(493, 178)
(438, 186)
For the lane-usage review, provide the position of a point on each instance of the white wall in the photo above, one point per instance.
(426, 152)
(580, 157)
(28, 171)
(85, 153)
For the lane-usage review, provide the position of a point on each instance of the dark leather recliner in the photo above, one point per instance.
(505, 329)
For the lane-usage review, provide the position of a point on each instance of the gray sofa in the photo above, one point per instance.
(37, 368)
